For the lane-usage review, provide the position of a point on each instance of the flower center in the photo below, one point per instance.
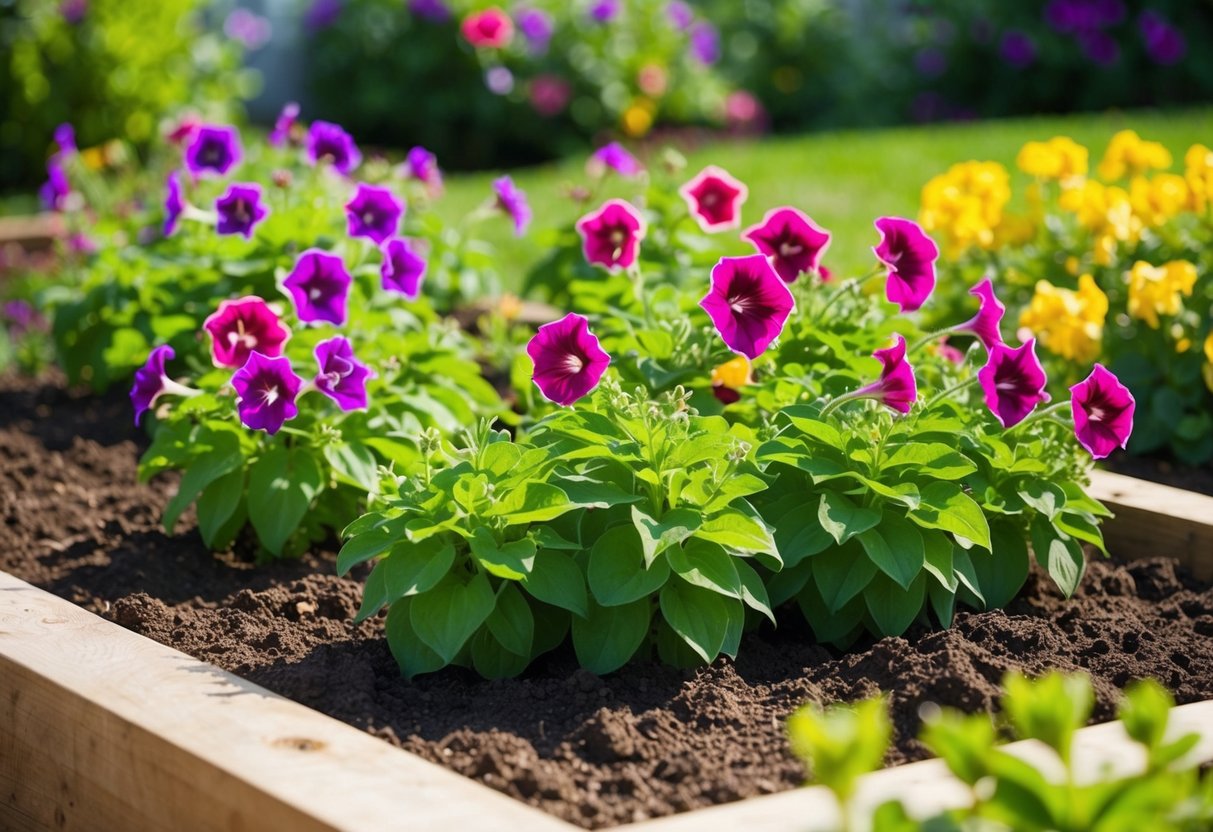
(1096, 414)
(314, 293)
(573, 364)
(332, 379)
(241, 337)
(709, 199)
(368, 217)
(740, 304)
(270, 394)
(241, 211)
(787, 249)
(617, 237)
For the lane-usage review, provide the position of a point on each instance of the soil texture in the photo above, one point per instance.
(644, 742)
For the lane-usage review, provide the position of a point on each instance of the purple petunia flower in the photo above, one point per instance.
(896, 388)
(512, 200)
(342, 377)
(373, 213)
(238, 327)
(536, 27)
(328, 142)
(213, 148)
(611, 235)
(604, 11)
(249, 29)
(931, 62)
(616, 157)
(791, 239)
(266, 389)
(20, 317)
(1013, 381)
(65, 139)
(151, 382)
(715, 198)
(73, 11)
(322, 14)
(910, 256)
(55, 191)
(174, 202)
(402, 269)
(1017, 49)
(320, 287)
(568, 359)
(985, 324)
(435, 11)
(240, 209)
(1100, 47)
(748, 303)
(705, 43)
(680, 15)
(281, 133)
(1103, 412)
(1165, 44)
(422, 165)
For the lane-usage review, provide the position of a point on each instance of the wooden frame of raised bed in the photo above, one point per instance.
(101, 728)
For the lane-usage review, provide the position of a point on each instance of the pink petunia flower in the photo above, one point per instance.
(714, 199)
(489, 29)
(985, 324)
(568, 359)
(1103, 411)
(748, 303)
(910, 256)
(1013, 381)
(238, 327)
(896, 388)
(791, 239)
(611, 235)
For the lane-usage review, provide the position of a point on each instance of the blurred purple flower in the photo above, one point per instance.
(616, 157)
(328, 142)
(1100, 47)
(282, 127)
(680, 15)
(20, 317)
(55, 191)
(931, 62)
(1017, 49)
(435, 11)
(65, 139)
(1165, 44)
(342, 377)
(174, 203)
(512, 200)
(705, 43)
(536, 27)
(322, 14)
(402, 269)
(928, 106)
(248, 28)
(499, 80)
(240, 209)
(604, 11)
(73, 11)
(214, 148)
(550, 94)
(373, 213)
(422, 165)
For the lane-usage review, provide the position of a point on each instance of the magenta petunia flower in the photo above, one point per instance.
(1014, 382)
(373, 213)
(238, 327)
(568, 359)
(604, 11)
(328, 142)
(342, 377)
(910, 255)
(55, 191)
(174, 203)
(184, 130)
(489, 29)
(266, 388)
(1103, 412)
(610, 236)
(282, 127)
(213, 148)
(240, 209)
(65, 139)
(792, 240)
(422, 165)
(151, 381)
(512, 200)
(320, 286)
(616, 157)
(985, 324)
(403, 269)
(748, 303)
(896, 387)
(714, 198)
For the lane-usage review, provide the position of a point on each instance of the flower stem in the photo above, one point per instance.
(943, 394)
(1050, 412)
(174, 388)
(852, 285)
(638, 287)
(838, 402)
(931, 336)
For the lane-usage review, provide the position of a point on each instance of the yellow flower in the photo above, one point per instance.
(1155, 291)
(1073, 264)
(638, 118)
(1014, 230)
(1059, 158)
(1129, 155)
(509, 306)
(1107, 212)
(1159, 198)
(734, 373)
(1208, 368)
(1198, 171)
(1068, 323)
(964, 205)
(1209, 348)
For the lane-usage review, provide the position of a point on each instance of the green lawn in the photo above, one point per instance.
(843, 180)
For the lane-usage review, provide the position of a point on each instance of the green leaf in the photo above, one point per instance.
(354, 464)
(799, 534)
(446, 616)
(407, 648)
(843, 519)
(966, 573)
(658, 535)
(512, 561)
(1080, 528)
(896, 547)
(736, 530)
(587, 493)
(616, 570)
(374, 594)
(1002, 573)
(700, 616)
(943, 602)
(945, 506)
(841, 573)
(413, 568)
(492, 660)
(532, 503)
(218, 503)
(753, 591)
(511, 621)
(893, 609)
(556, 579)
(1043, 496)
(366, 545)
(706, 565)
(607, 637)
(937, 551)
(935, 459)
(223, 458)
(820, 432)
(1060, 555)
(282, 485)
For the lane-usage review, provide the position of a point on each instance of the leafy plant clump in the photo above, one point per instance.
(1166, 791)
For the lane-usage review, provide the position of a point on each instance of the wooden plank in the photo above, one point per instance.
(31, 233)
(102, 729)
(1155, 520)
(927, 788)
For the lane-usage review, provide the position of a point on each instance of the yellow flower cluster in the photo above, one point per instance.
(1208, 368)
(1160, 290)
(964, 205)
(1060, 158)
(1198, 173)
(1066, 322)
(1130, 155)
(1159, 198)
(1107, 212)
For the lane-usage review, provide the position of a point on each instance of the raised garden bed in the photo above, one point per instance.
(645, 742)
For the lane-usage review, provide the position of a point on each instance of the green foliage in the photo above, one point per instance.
(1166, 793)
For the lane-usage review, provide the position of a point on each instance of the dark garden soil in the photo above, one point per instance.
(598, 751)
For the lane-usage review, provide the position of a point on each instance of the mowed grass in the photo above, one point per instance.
(843, 180)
